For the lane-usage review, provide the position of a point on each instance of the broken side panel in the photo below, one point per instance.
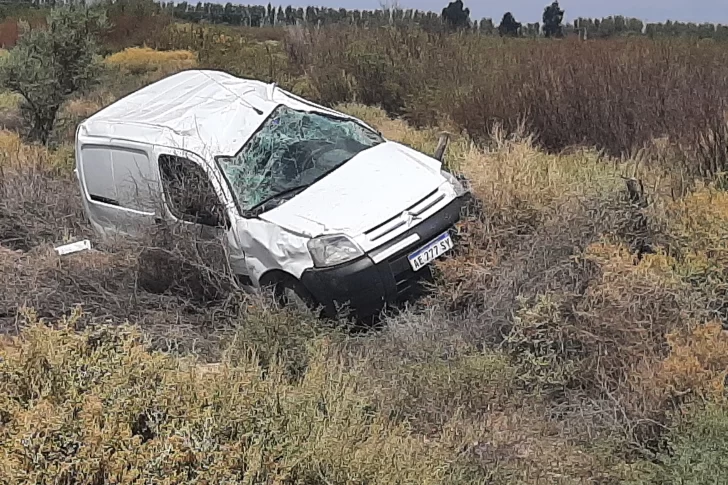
(268, 246)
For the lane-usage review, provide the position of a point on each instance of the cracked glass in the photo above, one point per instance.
(290, 151)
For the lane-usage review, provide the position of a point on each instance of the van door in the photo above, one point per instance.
(120, 186)
(198, 209)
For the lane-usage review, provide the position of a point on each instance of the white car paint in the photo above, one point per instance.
(202, 114)
(372, 187)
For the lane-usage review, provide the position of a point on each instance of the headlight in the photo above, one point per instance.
(332, 250)
(459, 189)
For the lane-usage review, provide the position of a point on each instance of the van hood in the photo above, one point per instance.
(374, 186)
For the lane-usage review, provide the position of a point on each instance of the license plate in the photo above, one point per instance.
(423, 256)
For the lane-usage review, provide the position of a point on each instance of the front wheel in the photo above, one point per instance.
(292, 294)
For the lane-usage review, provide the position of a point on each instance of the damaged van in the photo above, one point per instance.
(310, 201)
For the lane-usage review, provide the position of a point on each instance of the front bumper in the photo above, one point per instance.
(366, 287)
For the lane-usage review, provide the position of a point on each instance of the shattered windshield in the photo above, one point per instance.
(292, 150)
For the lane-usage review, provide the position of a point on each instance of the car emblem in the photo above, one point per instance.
(408, 217)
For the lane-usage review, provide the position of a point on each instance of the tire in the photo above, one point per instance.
(292, 294)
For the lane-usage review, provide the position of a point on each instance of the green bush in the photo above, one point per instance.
(49, 65)
(699, 452)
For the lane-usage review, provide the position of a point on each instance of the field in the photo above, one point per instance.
(575, 336)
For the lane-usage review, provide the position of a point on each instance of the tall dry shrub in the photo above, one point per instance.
(134, 30)
(381, 67)
(615, 94)
(9, 33)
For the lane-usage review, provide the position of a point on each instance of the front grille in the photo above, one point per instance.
(394, 223)
(395, 270)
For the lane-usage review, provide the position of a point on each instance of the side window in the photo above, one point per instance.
(118, 176)
(189, 192)
(133, 179)
(99, 174)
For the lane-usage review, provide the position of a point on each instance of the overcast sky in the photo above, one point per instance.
(715, 11)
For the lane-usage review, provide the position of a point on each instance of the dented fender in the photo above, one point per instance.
(269, 247)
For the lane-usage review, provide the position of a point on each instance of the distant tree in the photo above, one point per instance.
(532, 30)
(607, 27)
(227, 13)
(721, 32)
(707, 31)
(635, 26)
(509, 27)
(398, 15)
(569, 29)
(553, 16)
(487, 27)
(270, 15)
(48, 65)
(456, 16)
(217, 13)
(343, 15)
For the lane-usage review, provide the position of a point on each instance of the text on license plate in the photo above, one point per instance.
(432, 251)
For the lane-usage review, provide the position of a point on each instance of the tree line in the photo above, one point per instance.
(455, 16)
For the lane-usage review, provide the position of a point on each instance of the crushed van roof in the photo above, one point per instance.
(208, 112)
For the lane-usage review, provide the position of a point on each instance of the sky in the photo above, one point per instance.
(715, 11)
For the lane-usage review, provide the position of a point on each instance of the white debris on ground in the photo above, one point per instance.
(75, 247)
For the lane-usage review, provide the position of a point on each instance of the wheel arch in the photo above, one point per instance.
(275, 276)
(277, 279)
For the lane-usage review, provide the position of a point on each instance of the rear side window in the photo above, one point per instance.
(98, 174)
(134, 179)
(189, 192)
(119, 176)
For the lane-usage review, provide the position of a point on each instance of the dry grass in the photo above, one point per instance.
(17, 156)
(92, 415)
(142, 60)
(556, 269)
(9, 100)
(564, 335)
(697, 364)
(615, 94)
(10, 118)
(82, 108)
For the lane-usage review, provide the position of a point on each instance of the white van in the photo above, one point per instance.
(313, 202)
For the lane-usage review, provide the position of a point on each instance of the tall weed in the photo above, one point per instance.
(615, 94)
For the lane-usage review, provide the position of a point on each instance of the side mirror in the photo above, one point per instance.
(441, 146)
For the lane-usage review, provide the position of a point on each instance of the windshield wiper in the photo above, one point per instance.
(257, 208)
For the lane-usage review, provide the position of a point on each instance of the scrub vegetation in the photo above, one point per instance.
(576, 334)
